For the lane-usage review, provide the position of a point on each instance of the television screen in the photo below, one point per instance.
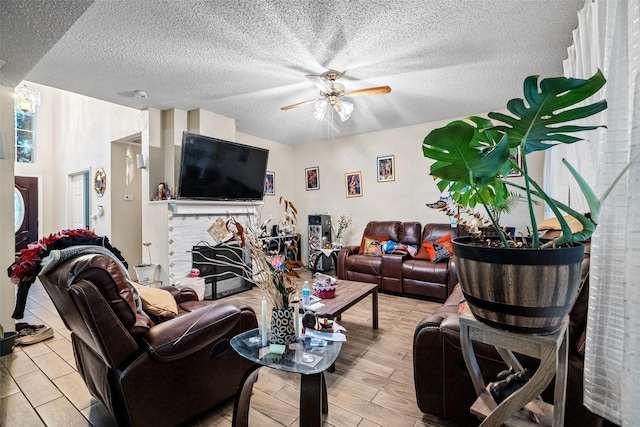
(214, 169)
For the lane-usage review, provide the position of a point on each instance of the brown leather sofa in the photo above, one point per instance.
(442, 382)
(147, 373)
(398, 272)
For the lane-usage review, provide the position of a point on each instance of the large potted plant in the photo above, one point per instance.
(519, 284)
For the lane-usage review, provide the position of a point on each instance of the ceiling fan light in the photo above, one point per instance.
(320, 109)
(345, 108)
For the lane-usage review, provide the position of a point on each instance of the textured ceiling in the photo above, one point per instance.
(247, 58)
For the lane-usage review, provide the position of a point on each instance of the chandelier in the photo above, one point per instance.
(343, 106)
(26, 99)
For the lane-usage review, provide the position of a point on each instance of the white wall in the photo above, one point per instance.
(403, 199)
(7, 233)
(126, 215)
(74, 133)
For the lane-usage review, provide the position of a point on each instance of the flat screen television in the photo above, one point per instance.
(214, 169)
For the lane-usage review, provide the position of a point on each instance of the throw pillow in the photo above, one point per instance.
(399, 248)
(378, 238)
(157, 302)
(373, 247)
(439, 250)
(422, 253)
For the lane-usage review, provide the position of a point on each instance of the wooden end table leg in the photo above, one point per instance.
(243, 397)
(313, 392)
(314, 267)
(560, 389)
(374, 296)
(470, 360)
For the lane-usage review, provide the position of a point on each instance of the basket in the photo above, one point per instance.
(324, 286)
(325, 292)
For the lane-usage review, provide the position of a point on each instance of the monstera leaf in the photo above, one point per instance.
(473, 158)
(468, 161)
(537, 124)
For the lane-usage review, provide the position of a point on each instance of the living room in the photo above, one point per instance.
(78, 134)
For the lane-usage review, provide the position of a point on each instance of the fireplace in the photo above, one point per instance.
(223, 268)
(192, 224)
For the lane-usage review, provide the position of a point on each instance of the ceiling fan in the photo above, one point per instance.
(335, 95)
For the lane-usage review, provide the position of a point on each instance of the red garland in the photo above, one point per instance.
(26, 266)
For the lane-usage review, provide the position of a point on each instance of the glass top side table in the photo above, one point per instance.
(300, 358)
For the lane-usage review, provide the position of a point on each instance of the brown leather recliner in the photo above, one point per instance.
(443, 384)
(147, 374)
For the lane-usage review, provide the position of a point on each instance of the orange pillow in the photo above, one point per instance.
(431, 250)
(373, 247)
(378, 238)
(422, 253)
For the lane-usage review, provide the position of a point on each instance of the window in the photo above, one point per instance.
(25, 135)
(18, 210)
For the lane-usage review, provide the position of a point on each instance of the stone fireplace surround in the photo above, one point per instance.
(188, 224)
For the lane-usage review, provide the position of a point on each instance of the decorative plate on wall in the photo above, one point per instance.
(100, 182)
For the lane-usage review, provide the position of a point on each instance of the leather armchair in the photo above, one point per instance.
(147, 373)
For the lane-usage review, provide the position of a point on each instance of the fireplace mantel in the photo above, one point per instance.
(201, 207)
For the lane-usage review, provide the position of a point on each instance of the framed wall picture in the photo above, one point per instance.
(270, 184)
(353, 184)
(313, 178)
(386, 168)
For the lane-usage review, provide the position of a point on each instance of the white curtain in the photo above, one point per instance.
(608, 37)
(584, 59)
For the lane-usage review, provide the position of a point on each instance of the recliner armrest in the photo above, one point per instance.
(392, 264)
(184, 335)
(345, 252)
(182, 294)
(447, 315)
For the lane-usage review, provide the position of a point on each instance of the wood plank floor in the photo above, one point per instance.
(371, 386)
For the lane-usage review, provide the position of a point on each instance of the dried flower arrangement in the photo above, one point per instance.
(266, 271)
(344, 223)
(464, 217)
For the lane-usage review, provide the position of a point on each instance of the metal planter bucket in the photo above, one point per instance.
(522, 290)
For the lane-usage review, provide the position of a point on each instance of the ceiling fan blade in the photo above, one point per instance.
(370, 91)
(319, 82)
(289, 107)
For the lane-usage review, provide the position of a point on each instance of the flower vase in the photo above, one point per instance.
(337, 243)
(282, 326)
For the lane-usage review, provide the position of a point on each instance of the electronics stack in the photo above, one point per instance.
(319, 235)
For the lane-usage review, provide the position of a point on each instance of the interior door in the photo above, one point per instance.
(25, 211)
(80, 200)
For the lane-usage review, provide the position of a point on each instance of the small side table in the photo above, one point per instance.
(552, 351)
(313, 388)
(333, 253)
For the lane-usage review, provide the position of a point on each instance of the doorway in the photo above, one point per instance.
(79, 183)
(25, 200)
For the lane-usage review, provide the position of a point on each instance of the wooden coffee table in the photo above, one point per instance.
(348, 294)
